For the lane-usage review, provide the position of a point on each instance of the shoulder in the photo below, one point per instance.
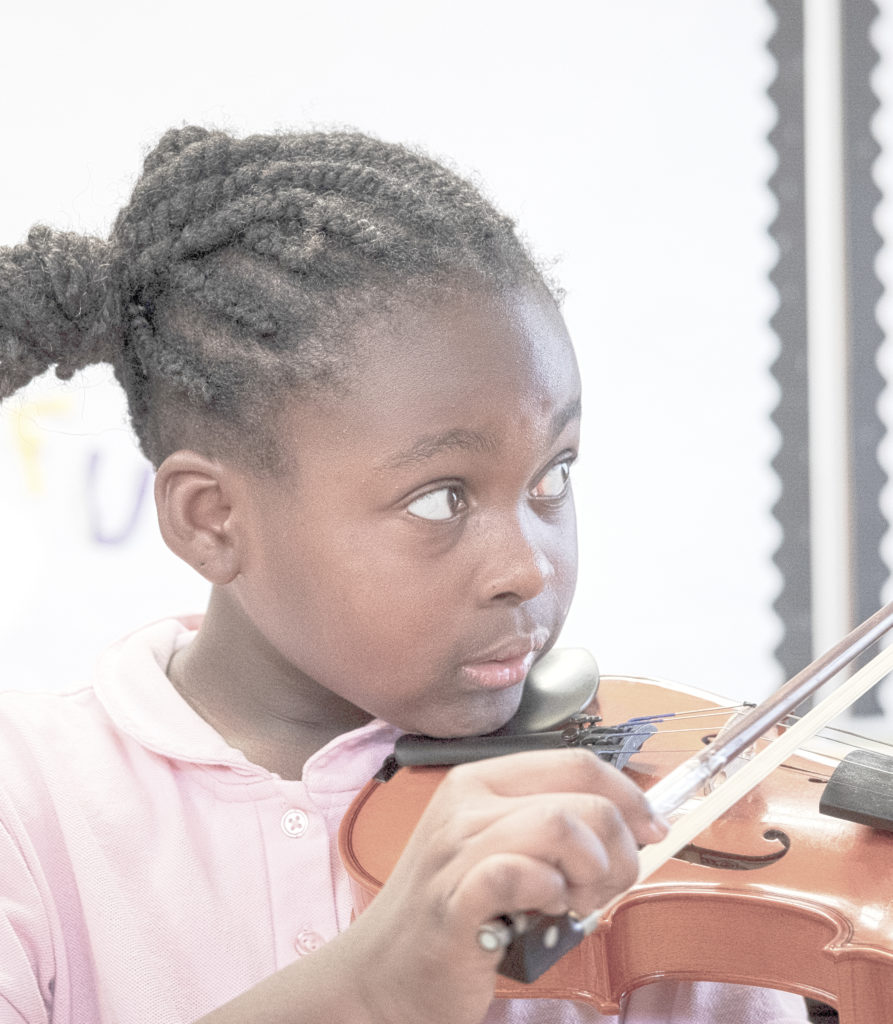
(78, 746)
(45, 729)
(56, 750)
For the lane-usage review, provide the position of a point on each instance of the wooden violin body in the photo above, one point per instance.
(773, 894)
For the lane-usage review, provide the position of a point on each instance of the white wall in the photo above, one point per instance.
(629, 139)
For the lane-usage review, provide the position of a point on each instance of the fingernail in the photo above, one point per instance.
(659, 826)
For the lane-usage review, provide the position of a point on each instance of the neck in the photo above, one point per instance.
(260, 703)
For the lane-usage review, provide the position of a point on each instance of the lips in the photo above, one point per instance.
(506, 663)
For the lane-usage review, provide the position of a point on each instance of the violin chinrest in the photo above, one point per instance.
(561, 684)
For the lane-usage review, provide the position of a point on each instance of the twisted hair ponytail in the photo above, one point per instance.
(59, 306)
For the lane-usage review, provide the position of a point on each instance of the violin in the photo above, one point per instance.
(773, 893)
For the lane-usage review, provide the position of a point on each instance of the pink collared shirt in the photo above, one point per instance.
(149, 872)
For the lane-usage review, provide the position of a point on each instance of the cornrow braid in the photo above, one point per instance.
(238, 270)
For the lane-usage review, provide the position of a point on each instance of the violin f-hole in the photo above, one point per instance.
(729, 861)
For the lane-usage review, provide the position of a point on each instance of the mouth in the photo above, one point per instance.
(506, 664)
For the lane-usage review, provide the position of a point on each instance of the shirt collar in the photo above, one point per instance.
(133, 687)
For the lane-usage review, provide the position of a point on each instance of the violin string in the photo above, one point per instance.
(789, 720)
(852, 736)
(856, 740)
(690, 713)
(830, 732)
(610, 732)
(731, 708)
(621, 731)
(623, 728)
(801, 770)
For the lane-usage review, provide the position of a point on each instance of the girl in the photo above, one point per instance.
(363, 407)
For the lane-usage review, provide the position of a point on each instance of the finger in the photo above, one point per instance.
(506, 883)
(583, 837)
(564, 771)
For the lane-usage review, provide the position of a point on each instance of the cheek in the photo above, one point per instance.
(566, 557)
(366, 588)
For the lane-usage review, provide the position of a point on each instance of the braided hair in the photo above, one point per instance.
(238, 271)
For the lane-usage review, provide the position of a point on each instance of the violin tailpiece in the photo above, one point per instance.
(861, 790)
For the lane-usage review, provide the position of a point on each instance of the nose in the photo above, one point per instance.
(516, 562)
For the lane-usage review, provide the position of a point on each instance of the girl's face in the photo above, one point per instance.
(422, 553)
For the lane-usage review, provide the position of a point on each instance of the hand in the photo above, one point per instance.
(546, 831)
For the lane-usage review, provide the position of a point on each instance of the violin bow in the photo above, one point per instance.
(532, 943)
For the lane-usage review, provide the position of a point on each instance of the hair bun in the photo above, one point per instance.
(58, 306)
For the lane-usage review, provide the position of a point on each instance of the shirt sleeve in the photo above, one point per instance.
(665, 1002)
(26, 949)
(677, 1002)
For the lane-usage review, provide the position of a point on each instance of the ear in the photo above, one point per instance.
(193, 496)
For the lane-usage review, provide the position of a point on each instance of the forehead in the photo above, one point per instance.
(460, 367)
(469, 343)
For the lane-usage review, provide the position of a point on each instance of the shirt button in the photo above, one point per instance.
(308, 941)
(294, 823)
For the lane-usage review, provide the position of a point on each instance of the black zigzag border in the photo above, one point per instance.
(864, 290)
(791, 415)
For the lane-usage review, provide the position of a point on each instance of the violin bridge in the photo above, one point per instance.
(717, 780)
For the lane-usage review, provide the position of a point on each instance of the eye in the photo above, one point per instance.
(444, 503)
(553, 483)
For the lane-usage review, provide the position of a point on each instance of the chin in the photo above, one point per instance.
(470, 721)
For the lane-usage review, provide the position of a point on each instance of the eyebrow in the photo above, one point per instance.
(572, 411)
(430, 445)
